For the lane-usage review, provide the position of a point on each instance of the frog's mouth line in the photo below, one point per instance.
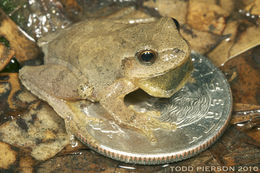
(167, 84)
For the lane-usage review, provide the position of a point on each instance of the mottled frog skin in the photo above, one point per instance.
(104, 60)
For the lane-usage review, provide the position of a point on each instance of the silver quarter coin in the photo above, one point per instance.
(201, 111)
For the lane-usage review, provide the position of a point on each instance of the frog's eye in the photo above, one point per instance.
(147, 57)
(176, 23)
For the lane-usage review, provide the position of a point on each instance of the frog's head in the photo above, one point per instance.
(160, 63)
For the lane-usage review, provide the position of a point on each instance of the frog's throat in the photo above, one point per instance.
(167, 84)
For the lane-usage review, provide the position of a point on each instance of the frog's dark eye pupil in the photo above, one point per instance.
(147, 57)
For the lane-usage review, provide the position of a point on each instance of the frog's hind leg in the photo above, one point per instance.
(50, 80)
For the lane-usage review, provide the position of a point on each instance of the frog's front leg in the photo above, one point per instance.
(113, 102)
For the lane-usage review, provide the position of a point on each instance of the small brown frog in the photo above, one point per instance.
(104, 60)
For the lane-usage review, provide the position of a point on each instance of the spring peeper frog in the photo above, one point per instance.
(104, 60)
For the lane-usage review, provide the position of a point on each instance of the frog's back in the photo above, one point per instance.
(89, 49)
